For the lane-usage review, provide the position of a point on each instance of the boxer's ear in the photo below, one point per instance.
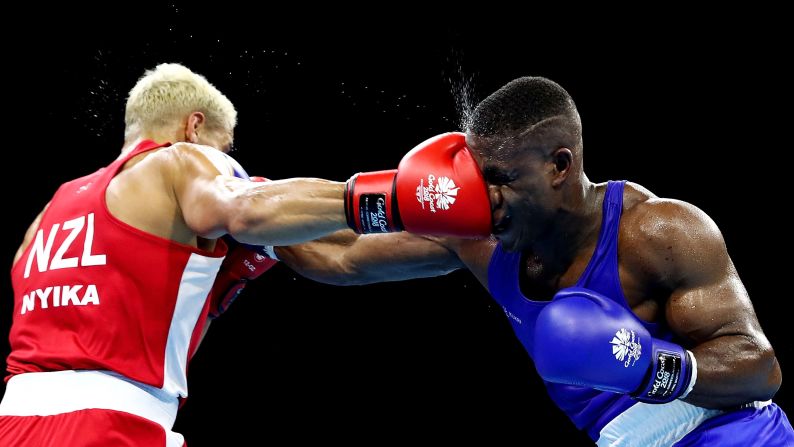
(562, 160)
(194, 123)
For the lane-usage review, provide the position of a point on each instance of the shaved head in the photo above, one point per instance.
(529, 109)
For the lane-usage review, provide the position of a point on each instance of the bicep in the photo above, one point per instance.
(206, 196)
(346, 258)
(708, 299)
(710, 309)
(683, 253)
(207, 204)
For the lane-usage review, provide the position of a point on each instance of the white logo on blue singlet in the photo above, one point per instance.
(512, 316)
(624, 347)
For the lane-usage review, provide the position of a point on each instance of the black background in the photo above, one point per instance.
(691, 113)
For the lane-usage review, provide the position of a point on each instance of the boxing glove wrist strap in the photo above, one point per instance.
(371, 203)
(349, 214)
(694, 367)
(669, 376)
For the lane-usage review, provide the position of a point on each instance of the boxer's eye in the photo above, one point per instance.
(502, 179)
(496, 176)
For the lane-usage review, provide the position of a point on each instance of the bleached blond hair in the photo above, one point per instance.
(171, 92)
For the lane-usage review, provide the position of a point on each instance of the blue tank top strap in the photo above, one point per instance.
(503, 272)
(601, 273)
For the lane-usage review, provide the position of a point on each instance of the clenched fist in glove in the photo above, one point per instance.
(437, 189)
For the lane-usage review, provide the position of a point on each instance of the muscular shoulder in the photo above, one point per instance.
(194, 158)
(175, 164)
(148, 182)
(670, 240)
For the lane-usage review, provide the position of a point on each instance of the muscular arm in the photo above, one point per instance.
(710, 309)
(346, 258)
(273, 213)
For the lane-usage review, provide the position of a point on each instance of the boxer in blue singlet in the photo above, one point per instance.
(629, 304)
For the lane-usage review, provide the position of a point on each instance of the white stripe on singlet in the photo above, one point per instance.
(57, 392)
(194, 286)
(657, 425)
(653, 425)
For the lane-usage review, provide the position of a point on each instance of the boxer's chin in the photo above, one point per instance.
(515, 238)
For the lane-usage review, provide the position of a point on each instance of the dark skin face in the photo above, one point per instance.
(521, 200)
(536, 192)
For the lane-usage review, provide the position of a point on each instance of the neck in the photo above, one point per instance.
(576, 221)
(159, 136)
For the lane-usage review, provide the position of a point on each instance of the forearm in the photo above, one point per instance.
(322, 260)
(346, 258)
(734, 370)
(287, 212)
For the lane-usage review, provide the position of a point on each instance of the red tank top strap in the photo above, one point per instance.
(143, 146)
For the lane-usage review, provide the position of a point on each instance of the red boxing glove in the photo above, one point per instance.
(243, 263)
(438, 189)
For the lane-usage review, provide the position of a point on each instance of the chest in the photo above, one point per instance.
(540, 280)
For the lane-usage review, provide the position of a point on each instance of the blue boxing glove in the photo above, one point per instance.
(584, 338)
